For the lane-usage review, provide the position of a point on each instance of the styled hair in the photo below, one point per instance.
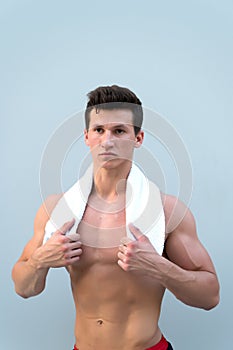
(114, 97)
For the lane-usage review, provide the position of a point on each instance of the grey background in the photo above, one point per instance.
(177, 56)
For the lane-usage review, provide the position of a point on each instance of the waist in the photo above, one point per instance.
(161, 345)
(135, 328)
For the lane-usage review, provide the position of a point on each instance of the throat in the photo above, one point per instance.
(110, 186)
(113, 204)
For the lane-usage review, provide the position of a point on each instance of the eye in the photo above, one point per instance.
(99, 130)
(119, 131)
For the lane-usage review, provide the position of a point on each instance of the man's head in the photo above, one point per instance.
(114, 97)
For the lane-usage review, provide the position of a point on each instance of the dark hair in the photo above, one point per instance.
(115, 97)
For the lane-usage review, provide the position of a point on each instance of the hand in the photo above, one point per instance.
(60, 250)
(140, 255)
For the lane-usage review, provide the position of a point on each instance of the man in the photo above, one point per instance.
(117, 282)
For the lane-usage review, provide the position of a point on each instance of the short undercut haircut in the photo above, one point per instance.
(114, 97)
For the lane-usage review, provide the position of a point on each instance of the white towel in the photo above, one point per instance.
(143, 207)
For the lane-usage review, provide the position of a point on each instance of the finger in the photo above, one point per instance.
(122, 257)
(73, 253)
(72, 260)
(126, 250)
(66, 227)
(124, 266)
(74, 245)
(74, 237)
(136, 232)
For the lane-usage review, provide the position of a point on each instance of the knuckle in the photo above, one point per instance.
(62, 239)
(132, 247)
(128, 252)
(66, 256)
(64, 248)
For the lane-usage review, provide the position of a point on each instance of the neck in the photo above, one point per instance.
(109, 184)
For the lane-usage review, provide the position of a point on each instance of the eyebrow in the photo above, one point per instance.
(118, 126)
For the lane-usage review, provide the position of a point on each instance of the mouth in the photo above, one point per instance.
(107, 154)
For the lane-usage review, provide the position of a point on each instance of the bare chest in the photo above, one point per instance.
(101, 228)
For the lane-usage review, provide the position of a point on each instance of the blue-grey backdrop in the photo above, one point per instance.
(177, 56)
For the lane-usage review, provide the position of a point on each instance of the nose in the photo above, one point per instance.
(107, 139)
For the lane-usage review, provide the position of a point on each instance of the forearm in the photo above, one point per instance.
(188, 273)
(29, 279)
(195, 288)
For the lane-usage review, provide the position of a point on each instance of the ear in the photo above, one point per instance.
(86, 139)
(139, 139)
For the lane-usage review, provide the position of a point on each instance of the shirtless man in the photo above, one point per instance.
(118, 289)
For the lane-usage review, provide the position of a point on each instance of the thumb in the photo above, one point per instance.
(65, 228)
(136, 232)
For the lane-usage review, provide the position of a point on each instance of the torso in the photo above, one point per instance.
(115, 309)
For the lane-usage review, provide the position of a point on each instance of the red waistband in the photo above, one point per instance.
(161, 345)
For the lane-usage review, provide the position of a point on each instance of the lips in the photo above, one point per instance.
(107, 154)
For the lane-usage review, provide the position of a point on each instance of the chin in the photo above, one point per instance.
(110, 164)
(114, 164)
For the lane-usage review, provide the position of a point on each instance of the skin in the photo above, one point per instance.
(118, 285)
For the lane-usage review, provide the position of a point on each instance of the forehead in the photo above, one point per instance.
(106, 116)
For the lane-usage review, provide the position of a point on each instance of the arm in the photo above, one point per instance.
(191, 276)
(187, 271)
(30, 271)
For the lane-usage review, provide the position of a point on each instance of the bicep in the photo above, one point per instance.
(185, 249)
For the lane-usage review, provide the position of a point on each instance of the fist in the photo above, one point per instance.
(60, 250)
(138, 255)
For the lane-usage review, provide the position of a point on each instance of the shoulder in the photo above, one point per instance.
(177, 215)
